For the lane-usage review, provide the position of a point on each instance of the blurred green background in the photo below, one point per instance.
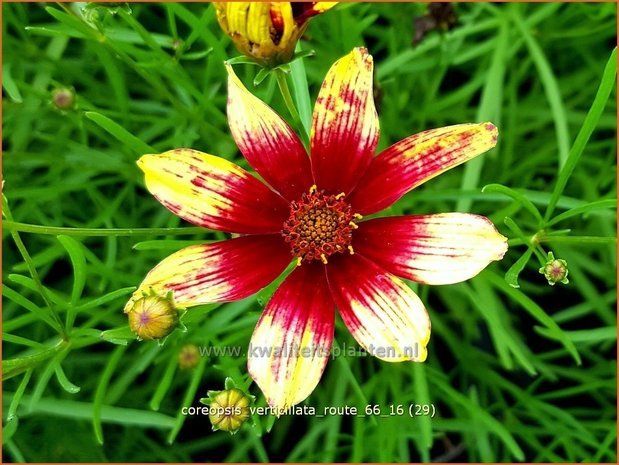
(514, 374)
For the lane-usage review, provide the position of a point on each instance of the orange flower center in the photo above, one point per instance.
(319, 226)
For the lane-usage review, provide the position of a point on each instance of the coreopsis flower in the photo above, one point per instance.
(309, 211)
(267, 32)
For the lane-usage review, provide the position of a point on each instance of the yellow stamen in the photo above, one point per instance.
(299, 259)
(351, 250)
(353, 225)
(358, 216)
(340, 195)
(323, 257)
(313, 189)
(338, 247)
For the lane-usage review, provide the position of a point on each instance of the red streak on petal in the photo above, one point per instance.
(199, 182)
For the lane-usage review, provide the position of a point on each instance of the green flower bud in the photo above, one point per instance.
(229, 408)
(188, 357)
(153, 316)
(555, 270)
(63, 98)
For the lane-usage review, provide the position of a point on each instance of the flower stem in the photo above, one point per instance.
(6, 211)
(282, 83)
(14, 226)
(578, 240)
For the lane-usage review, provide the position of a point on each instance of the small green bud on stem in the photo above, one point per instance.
(555, 270)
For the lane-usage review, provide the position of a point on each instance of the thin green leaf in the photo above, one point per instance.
(120, 336)
(119, 133)
(517, 196)
(64, 381)
(422, 396)
(536, 312)
(261, 76)
(190, 394)
(585, 209)
(109, 297)
(9, 84)
(29, 305)
(73, 22)
(551, 88)
(489, 109)
(595, 335)
(300, 89)
(98, 232)
(22, 341)
(164, 383)
(17, 397)
(101, 389)
(483, 418)
(588, 126)
(511, 276)
(108, 414)
(166, 245)
(78, 260)
(241, 60)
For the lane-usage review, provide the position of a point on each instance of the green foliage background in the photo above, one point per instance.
(524, 373)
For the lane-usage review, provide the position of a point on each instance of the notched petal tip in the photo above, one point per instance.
(363, 58)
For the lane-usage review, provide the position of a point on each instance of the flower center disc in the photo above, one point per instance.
(319, 226)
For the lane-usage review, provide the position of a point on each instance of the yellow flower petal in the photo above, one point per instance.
(218, 272)
(268, 143)
(345, 124)
(291, 344)
(431, 249)
(381, 312)
(417, 159)
(212, 192)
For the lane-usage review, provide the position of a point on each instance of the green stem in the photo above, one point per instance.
(14, 226)
(6, 211)
(578, 240)
(282, 83)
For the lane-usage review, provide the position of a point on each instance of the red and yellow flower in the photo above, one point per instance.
(267, 32)
(309, 211)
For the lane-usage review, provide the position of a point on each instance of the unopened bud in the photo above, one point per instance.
(555, 270)
(152, 316)
(188, 357)
(229, 408)
(267, 32)
(63, 98)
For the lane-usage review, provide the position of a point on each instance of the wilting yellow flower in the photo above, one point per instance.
(267, 31)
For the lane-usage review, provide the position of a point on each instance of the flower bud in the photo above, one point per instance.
(152, 316)
(63, 98)
(555, 270)
(188, 357)
(229, 408)
(267, 32)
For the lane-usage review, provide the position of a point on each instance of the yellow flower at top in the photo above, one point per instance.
(267, 32)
